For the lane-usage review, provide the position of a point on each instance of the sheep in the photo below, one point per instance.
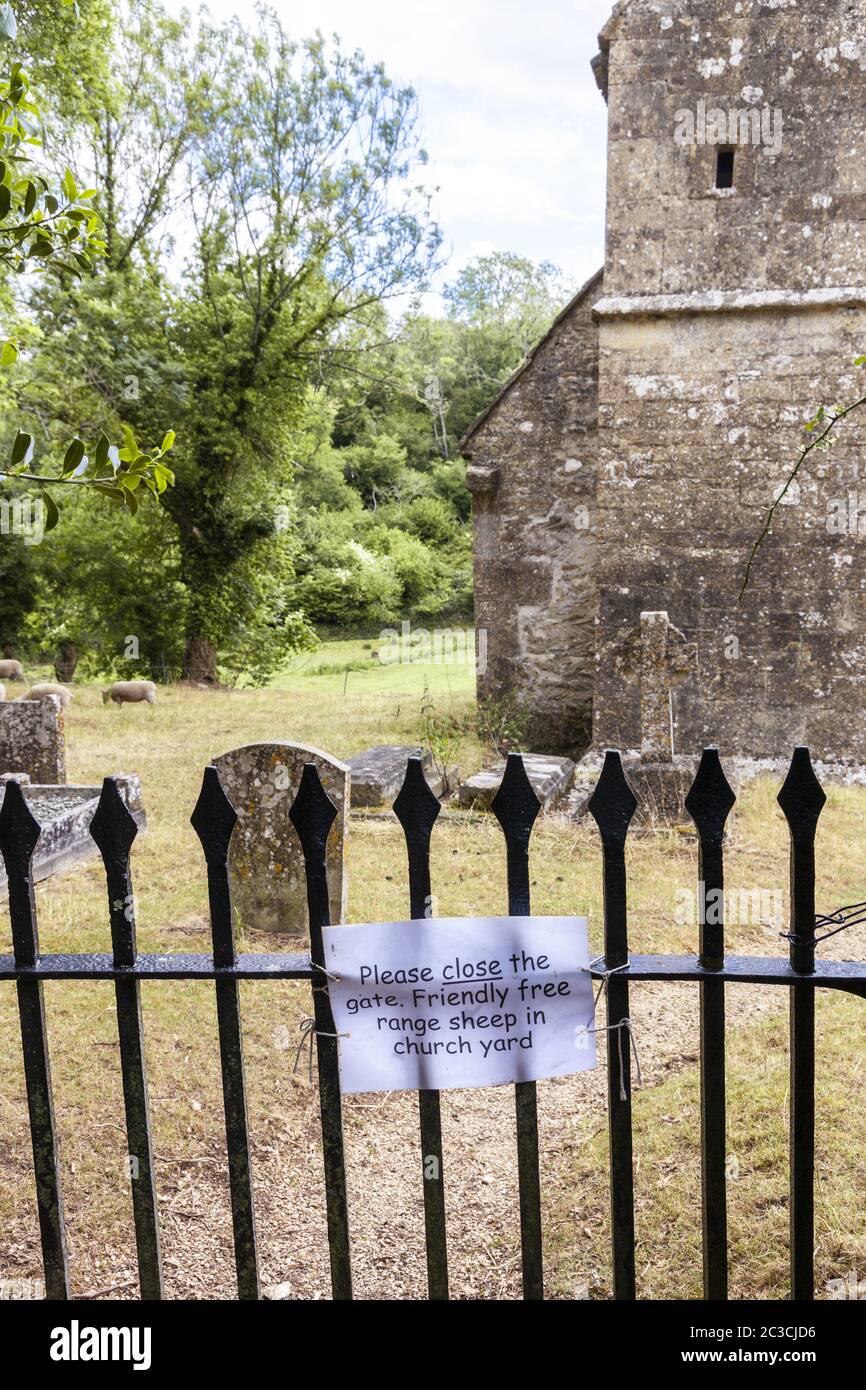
(11, 670)
(130, 693)
(46, 688)
(2, 692)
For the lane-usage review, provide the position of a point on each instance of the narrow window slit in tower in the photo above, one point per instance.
(725, 169)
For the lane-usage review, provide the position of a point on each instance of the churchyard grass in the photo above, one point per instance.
(169, 746)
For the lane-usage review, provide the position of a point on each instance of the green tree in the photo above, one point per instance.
(52, 226)
(509, 292)
(306, 221)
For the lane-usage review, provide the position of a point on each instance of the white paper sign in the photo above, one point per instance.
(453, 1002)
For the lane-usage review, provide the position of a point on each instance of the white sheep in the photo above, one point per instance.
(11, 670)
(46, 688)
(130, 693)
(2, 692)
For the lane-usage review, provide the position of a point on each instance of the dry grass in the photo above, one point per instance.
(169, 747)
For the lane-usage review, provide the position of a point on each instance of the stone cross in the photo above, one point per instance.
(265, 860)
(666, 658)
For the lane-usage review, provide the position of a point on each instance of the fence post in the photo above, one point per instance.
(213, 820)
(802, 800)
(516, 807)
(19, 833)
(709, 804)
(312, 814)
(417, 809)
(612, 805)
(113, 829)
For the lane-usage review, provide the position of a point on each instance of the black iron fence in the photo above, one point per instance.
(516, 807)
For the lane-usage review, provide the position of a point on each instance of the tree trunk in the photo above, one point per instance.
(66, 661)
(200, 661)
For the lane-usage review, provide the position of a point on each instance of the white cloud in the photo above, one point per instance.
(512, 118)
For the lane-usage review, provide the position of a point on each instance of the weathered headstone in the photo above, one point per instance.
(265, 860)
(659, 658)
(64, 814)
(378, 773)
(550, 779)
(32, 739)
(665, 660)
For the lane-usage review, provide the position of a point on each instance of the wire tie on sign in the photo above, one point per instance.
(840, 920)
(624, 1024)
(308, 1031)
(314, 965)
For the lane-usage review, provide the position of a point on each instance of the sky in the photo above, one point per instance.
(511, 117)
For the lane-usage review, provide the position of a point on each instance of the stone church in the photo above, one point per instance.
(627, 467)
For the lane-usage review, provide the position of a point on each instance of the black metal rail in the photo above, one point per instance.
(516, 807)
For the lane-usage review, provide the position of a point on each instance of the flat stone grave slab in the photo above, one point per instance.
(549, 777)
(64, 814)
(377, 774)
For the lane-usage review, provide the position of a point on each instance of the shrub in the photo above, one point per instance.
(431, 520)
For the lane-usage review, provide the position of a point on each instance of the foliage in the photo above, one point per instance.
(502, 724)
(18, 590)
(444, 735)
(54, 227)
(510, 293)
(119, 606)
(315, 477)
(349, 586)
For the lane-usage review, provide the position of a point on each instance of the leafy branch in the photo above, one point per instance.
(110, 471)
(59, 230)
(824, 421)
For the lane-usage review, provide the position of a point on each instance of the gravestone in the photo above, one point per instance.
(550, 779)
(32, 739)
(378, 773)
(666, 658)
(64, 813)
(660, 659)
(269, 889)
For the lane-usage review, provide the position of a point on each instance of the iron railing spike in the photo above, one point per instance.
(312, 812)
(19, 829)
(613, 803)
(416, 806)
(802, 798)
(516, 805)
(711, 798)
(113, 827)
(214, 818)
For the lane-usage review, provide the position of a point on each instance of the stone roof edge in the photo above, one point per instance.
(727, 301)
(601, 60)
(528, 361)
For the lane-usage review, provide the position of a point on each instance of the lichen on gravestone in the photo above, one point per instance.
(266, 863)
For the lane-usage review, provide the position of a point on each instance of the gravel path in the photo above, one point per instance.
(384, 1164)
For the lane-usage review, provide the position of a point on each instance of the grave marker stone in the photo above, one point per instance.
(265, 859)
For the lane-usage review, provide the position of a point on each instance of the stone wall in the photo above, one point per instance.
(32, 739)
(532, 473)
(701, 418)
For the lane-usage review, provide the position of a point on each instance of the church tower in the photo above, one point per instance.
(734, 304)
